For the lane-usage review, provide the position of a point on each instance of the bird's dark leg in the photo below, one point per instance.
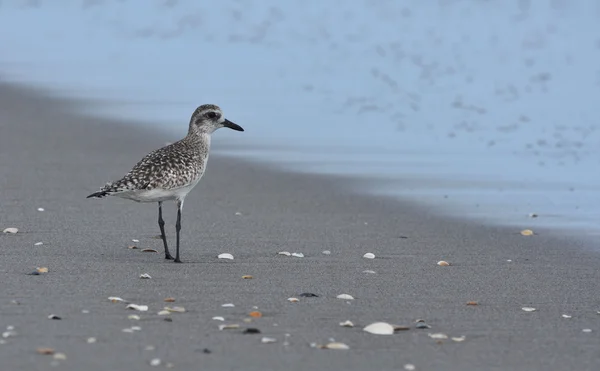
(178, 228)
(161, 224)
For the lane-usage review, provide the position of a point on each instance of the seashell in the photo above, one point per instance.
(443, 263)
(59, 356)
(422, 325)
(40, 209)
(247, 277)
(345, 297)
(298, 254)
(141, 308)
(45, 351)
(115, 299)
(266, 340)
(149, 250)
(369, 255)
(472, 303)
(326, 252)
(135, 240)
(225, 256)
(409, 367)
(286, 253)
(38, 244)
(347, 324)
(155, 362)
(293, 300)
(91, 340)
(218, 318)
(54, 316)
(11, 230)
(527, 232)
(458, 339)
(528, 309)
(228, 305)
(169, 300)
(438, 336)
(133, 317)
(163, 313)
(587, 330)
(255, 314)
(145, 276)
(369, 271)
(238, 213)
(229, 326)
(42, 269)
(336, 345)
(175, 309)
(566, 316)
(127, 330)
(379, 328)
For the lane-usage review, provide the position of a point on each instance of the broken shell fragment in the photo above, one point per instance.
(458, 339)
(443, 263)
(298, 254)
(347, 324)
(149, 250)
(566, 316)
(345, 297)
(11, 230)
(59, 356)
(141, 308)
(326, 252)
(218, 318)
(91, 340)
(175, 309)
(336, 345)
(255, 314)
(228, 305)
(169, 300)
(231, 326)
(286, 253)
(42, 269)
(38, 244)
(164, 313)
(369, 255)
(527, 232)
(247, 277)
(145, 276)
(133, 317)
(45, 351)
(155, 362)
(379, 328)
(369, 271)
(54, 316)
(225, 256)
(115, 299)
(293, 300)
(529, 309)
(267, 340)
(438, 336)
(472, 303)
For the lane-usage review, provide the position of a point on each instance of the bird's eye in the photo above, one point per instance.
(211, 115)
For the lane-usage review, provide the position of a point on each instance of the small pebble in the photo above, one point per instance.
(587, 330)
(145, 276)
(369, 255)
(298, 254)
(141, 308)
(155, 362)
(528, 309)
(422, 325)
(54, 316)
(533, 215)
(255, 314)
(45, 351)
(42, 269)
(38, 244)
(34, 273)
(379, 328)
(225, 256)
(228, 305)
(266, 340)
(11, 230)
(345, 297)
(347, 324)
(286, 253)
(59, 356)
(132, 247)
(218, 318)
(326, 252)
(293, 300)
(168, 319)
(443, 263)
(91, 340)
(251, 330)
(472, 303)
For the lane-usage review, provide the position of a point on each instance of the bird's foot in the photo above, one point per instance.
(177, 260)
(168, 256)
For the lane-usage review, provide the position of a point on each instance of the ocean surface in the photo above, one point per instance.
(480, 109)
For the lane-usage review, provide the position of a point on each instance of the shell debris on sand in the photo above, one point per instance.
(472, 303)
(141, 308)
(336, 346)
(54, 316)
(231, 326)
(169, 300)
(145, 276)
(228, 305)
(59, 356)
(268, 340)
(566, 316)
(163, 313)
(345, 297)
(409, 367)
(38, 244)
(379, 328)
(285, 253)
(175, 309)
(149, 250)
(247, 277)
(218, 318)
(587, 330)
(10, 230)
(369, 271)
(347, 324)
(293, 300)
(155, 362)
(91, 340)
(443, 263)
(225, 256)
(458, 339)
(134, 317)
(527, 232)
(45, 351)
(326, 252)
(255, 314)
(115, 299)
(297, 254)
(42, 269)
(438, 336)
(369, 255)
(528, 309)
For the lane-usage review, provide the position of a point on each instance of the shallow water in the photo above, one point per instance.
(481, 109)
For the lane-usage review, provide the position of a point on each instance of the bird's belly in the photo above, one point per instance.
(159, 194)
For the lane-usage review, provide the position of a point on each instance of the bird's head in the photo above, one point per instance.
(208, 118)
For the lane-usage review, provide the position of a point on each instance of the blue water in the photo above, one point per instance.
(481, 109)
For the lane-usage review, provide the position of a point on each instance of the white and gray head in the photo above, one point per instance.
(207, 118)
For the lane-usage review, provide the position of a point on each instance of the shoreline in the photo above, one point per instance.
(51, 159)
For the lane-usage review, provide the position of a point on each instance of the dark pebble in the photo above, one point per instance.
(423, 325)
(55, 317)
(309, 295)
(401, 328)
(35, 273)
(206, 351)
(251, 330)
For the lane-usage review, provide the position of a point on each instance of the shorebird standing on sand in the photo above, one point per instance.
(170, 173)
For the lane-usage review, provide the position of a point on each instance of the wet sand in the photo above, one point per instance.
(53, 158)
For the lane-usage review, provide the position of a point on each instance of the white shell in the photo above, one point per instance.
(298, 254)
(218, 318)
(229, 327)
(40, 209)
(326, 252)
(11, 230)
(459, 338)
(59, 356)
(164, 313)
(347, 324)
(155, 362)
(135, 240)
(145, 276)
(286, 253)
(566, 316)
(443, 263)
(345, 297)
(91, 340)
(38, 244)
(369, 255)
(529, 309)
(228, 305)
(225, 256)
(335, 345)
(379, 328)
(134, 317)
(369, 271)
(293, 300)
(175, 309)
(115, 298)
(267, 340)
(141, 308)
(438, 336)
(409, 367)
(587, 330)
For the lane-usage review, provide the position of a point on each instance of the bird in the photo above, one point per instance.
(171, 172)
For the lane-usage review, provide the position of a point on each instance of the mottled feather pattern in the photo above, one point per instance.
(170, 167)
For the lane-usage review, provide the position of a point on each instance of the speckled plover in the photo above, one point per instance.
(170, 173)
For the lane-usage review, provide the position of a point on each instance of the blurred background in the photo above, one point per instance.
(485, 109)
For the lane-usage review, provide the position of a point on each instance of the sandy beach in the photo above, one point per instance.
(52, 158)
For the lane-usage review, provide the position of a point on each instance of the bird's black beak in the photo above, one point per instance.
(231, 125)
